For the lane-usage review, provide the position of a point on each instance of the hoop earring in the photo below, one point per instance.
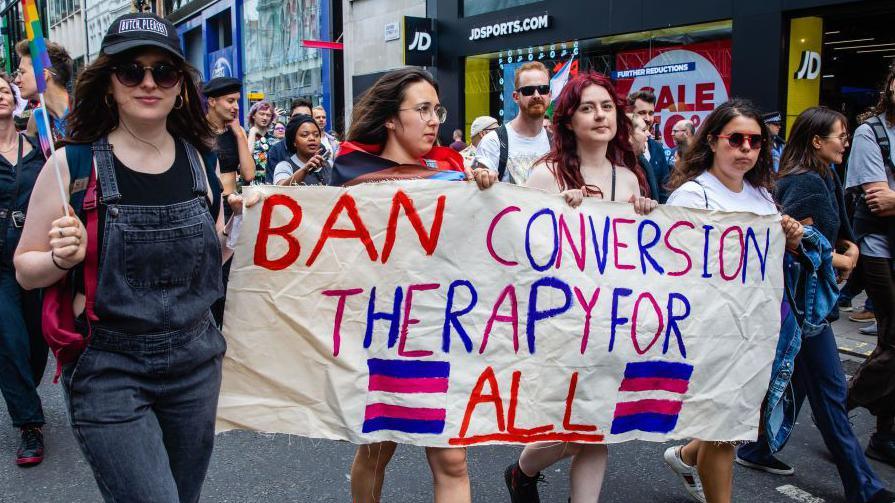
(178, 105)
(108, 101)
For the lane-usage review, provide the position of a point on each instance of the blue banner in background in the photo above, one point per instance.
(222, 63)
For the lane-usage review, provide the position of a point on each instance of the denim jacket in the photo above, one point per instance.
(811, 293)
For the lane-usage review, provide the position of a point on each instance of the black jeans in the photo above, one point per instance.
(21, 364)
(142, 408)
(873, 385)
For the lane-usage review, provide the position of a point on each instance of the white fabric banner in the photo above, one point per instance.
(436, 314)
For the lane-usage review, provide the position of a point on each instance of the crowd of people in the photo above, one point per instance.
(152, 161)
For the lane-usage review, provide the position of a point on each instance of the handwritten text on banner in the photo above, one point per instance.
(432, 313)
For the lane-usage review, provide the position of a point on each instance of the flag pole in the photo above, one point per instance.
(46, 120)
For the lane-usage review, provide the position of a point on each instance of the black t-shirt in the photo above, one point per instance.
(169, 187)
(228, 152)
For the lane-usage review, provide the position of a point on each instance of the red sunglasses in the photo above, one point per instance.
(736, 140)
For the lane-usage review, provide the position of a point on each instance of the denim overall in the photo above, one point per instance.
(142, 397)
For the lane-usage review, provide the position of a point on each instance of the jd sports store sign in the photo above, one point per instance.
(514, 26)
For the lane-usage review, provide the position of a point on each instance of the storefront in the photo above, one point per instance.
(688, 68)
(210, 35)
(838, 57)
(693, 57)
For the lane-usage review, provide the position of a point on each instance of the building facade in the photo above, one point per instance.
(12, 28)
(372, 41)
(99, 14)
(68, 29)
(277, 63)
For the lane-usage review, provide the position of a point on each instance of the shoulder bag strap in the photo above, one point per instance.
(704, 193)
(882, 139)
(504, 139)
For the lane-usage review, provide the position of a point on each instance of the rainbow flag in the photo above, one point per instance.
(39, 57)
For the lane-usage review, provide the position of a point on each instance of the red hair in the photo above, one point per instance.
(563, 155)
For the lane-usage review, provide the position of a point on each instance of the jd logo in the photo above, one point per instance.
(809, 66)
(421, 42)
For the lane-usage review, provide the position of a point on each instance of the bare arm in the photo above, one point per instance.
(880, 198)
(51, 242)
(542, 178)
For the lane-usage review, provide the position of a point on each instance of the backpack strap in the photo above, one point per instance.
(882, 139)
(504, 139)
(80, 163)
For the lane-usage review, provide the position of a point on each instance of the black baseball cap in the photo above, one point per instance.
(141, 29)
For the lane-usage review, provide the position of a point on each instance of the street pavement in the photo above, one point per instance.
(250, 467)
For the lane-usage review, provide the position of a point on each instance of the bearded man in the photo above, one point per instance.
(514, 147)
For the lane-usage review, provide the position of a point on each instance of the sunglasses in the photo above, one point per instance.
(132, 74)
(736, 140)
(530, 90)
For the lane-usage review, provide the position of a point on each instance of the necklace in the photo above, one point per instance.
(10, 149)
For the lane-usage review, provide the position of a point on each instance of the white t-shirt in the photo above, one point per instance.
(284, 169)
(709, 189)
(866, 165)
(522, 153)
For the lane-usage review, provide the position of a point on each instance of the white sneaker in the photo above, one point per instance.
(687, 473)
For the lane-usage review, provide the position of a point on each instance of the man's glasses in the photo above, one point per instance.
(427, 112)
(132, 74)
(736, 140)
(530, 90)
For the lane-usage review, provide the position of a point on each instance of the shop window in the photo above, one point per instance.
(276, 64)
(475, 7)
(688, 68)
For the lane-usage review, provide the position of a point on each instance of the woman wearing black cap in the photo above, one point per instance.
(230, 144)
(307, 165)
(142, 395)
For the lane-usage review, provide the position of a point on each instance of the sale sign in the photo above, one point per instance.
(437, 314)
(689, 81)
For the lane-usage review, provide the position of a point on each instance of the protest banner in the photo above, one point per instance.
(436, 314)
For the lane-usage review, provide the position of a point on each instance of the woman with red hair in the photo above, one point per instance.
(591, 156)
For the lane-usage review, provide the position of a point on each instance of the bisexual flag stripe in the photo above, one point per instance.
(657, 369)
(646, 384)
(404, 425)
(408, 368)
(649, 422)
(375, 410)
(411, 385)
(650, 414)
(670, 407)
(420, 390)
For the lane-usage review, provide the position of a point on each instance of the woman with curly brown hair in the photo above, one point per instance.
(142, 396)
